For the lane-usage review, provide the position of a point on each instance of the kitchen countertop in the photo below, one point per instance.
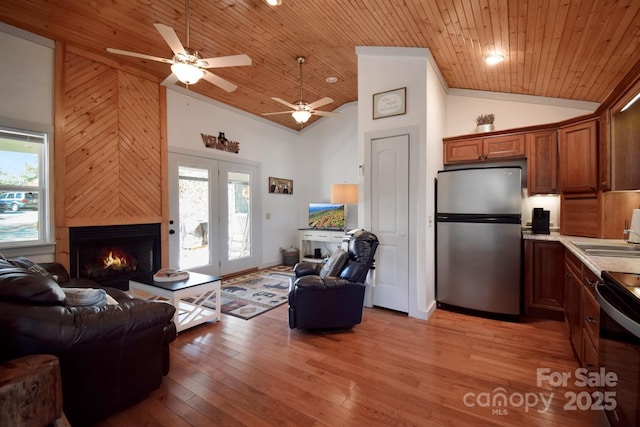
(597, 264)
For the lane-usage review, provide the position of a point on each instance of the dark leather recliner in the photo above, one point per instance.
(329, 297)
(111, 356)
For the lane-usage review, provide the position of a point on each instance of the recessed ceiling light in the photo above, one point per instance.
(331, 79)
(274, 2)
(492, 58)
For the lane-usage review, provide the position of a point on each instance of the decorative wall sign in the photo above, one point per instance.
(280, 185)
(220, 143)
(390, 103)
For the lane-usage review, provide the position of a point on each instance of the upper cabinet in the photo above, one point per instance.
(542, 166)
(579, 158)
(481, 149)
(624, 146)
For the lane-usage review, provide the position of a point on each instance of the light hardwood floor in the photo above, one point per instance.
(390, 370)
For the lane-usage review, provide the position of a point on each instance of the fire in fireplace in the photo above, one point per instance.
(112, 255)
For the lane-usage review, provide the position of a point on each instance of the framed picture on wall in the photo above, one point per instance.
(390, 103)
(280, 185)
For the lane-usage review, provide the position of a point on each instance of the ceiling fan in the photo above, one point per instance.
(187, 65)
(301, 111)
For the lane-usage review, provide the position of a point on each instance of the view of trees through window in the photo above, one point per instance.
(22, 155)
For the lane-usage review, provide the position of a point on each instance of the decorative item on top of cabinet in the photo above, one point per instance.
(544, 279)
(579, 158)
(542, 166)
(489, 148)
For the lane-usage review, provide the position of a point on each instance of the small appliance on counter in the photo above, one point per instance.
(540, 221)
(633, 232)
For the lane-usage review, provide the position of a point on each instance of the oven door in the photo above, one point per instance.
(619, 348)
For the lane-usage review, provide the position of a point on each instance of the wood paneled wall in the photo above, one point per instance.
(110, 156)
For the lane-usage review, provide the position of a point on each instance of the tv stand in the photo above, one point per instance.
(325, 240)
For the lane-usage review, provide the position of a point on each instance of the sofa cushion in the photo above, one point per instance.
(21, 285)
(334, 265)
(27, 264)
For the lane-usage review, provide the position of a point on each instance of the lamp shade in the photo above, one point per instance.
(344, 193)
(301, 116)
(187, 73)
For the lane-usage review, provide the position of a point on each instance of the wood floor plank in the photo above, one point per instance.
(389, 370)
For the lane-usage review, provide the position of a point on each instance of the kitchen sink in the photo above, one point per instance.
(614, 250)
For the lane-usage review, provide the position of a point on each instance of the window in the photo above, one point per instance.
(23, 187)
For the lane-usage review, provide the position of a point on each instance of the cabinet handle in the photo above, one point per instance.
(592, 188)
(589, 367)
(591, 319)
(554, 190)
(592, 283)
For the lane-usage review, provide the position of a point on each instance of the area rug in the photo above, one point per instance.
(253, 294)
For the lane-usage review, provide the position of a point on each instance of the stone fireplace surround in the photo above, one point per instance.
(112, 255)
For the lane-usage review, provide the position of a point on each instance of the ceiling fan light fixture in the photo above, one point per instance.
(493, 58)
(187, 73)
(301, 116)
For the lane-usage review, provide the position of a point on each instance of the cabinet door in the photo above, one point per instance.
(548, 268)
(579, 158)
(543, 162)
(463, 151)
(501, 147)
(573, 287)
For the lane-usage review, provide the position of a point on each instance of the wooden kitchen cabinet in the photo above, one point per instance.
(573, 304)
(544, 279)
(481, 149)
(582, 311)
(463, 151)
(579, 158)
(542, 166)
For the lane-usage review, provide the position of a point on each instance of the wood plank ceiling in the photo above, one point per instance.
(573, 49)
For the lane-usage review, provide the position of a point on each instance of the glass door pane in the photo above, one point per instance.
(239, 215)
(194, 214)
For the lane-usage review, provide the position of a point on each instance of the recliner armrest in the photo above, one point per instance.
(307, 268)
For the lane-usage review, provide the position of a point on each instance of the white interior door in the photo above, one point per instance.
(214, 225)
(390, 220)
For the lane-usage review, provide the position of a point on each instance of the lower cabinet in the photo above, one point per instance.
(544, 279)
(582, 311)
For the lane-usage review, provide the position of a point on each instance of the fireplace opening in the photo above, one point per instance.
(113, 255)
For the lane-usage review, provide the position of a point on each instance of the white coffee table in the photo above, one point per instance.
(187, 296)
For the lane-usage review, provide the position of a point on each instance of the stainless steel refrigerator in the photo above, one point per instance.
(478, 239)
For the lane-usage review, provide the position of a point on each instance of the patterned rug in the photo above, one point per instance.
(253, 294)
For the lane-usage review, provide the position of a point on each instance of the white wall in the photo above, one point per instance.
(436, 119)
(381, 69)
(26, 77)
(26, 85)
(329, 155)
(511, 111)
(275, 148)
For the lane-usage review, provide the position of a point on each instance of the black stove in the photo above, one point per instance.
(619, 344)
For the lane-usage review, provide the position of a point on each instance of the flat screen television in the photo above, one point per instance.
(330, 216)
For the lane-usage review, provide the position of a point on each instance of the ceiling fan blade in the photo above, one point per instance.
(170, 80)
(219, 81)
(324, 113)
(282, 101)
(320, 103)
(169, 35)
(139, 55)
(279, 112)
(225, 61)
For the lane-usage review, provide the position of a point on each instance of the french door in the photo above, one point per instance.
(214, 217)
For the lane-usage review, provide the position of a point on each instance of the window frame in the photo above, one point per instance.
(44, 187)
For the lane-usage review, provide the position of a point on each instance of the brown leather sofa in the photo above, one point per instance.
(111, 355)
